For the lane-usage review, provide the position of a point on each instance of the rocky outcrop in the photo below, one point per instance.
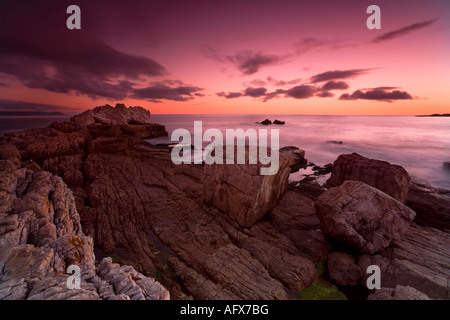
(389, 178)
(432, 205)
(421, 260)
(362, 217)
(242, 192)
(398, 293)
(41, 235)
(139, 209)
(119, 115)
(343, 269)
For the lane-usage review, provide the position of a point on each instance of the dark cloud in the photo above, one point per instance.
(301, 92)
(229, 95)
(403, 31)
(338, 74)
(308, 44)
(42, 54)
(335, 85)
(274, 94)
(377, 94)
(281, 83)
(325, 94)
(159, 92)
(249, 62)
(14, 105)
(255, 92)
(257, 82)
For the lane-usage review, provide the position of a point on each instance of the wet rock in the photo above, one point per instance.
(389, 178)
(362, 217)
(278, 122)
(266, 122)
(447, 165)
(335, 141)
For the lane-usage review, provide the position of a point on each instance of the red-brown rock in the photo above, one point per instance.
(391, 179)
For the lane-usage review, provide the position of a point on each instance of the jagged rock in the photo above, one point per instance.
(343, 269)
(41, 235)
(421, 259)
(242, 192)
(120, 115)
(127, 281)
(398, 293)
(389, 178)
(278, 122)
(432, 206)
(10, 152)
(266, 122)
(70, 168)
(362, 217)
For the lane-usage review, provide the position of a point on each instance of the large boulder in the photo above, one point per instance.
(362, 217)
(242, 192)
(389, 178)
(119, 115)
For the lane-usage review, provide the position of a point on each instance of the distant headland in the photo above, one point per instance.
(30, 113)
(435, 115)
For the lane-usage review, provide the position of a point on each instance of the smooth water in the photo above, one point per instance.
(419, 144)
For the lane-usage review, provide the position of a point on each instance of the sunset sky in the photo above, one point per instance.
(246, 56)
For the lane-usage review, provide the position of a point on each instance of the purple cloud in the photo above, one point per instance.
(325, 94)
(377, 94)
(229, 95)
(338, 74)
(301, 92)
(403, 31)
(159, 92)
(335, 85)
(255, 92)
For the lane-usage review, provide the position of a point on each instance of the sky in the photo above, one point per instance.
(227, 57)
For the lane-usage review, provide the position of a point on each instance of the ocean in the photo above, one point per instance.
(419, 144)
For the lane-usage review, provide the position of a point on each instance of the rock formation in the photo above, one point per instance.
(145, 211)
(389, 178)
(146, 218)
(41, 236)
(362, 217)
(242, 192)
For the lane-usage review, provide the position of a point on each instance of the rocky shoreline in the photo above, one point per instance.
(206, 232)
